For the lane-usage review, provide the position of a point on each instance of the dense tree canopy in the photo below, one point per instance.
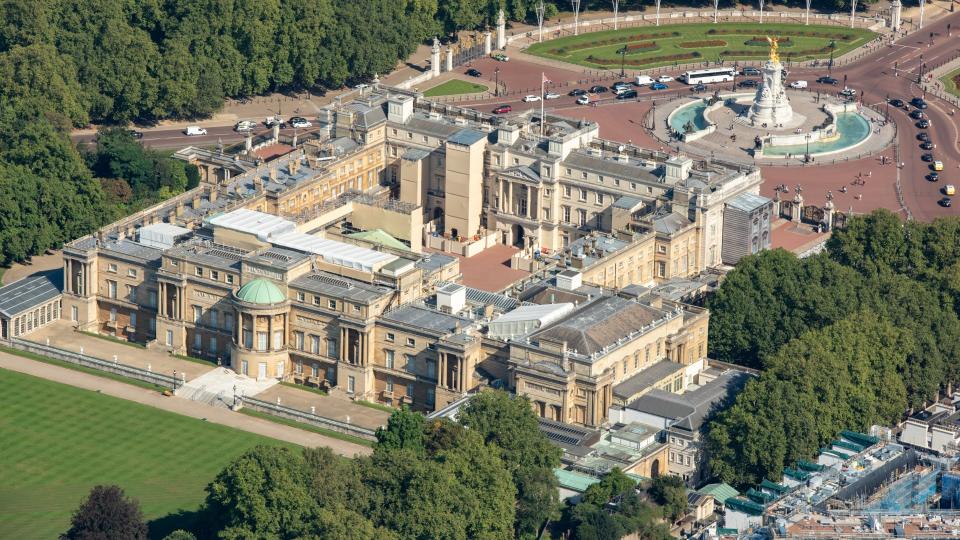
(846, 339)
(615, 507)
(107, 513)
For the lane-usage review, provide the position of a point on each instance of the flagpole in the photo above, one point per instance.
(543, 79)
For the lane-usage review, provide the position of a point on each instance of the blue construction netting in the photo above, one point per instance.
(950, 490)
(912, 492)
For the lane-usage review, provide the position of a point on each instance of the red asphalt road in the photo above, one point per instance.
(874, 74)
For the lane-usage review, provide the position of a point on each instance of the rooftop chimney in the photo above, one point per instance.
(451, 298)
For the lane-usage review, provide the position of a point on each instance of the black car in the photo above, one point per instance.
(923, 136)
(828, 80)
(748, 83)
(473, 72)
(629, 94)
(923, 124)
(136, 134)
(928, 157)
(945, 202)
(896, 102)
(598, 89)
(933, 177)
(926, 145)
(699, 87)
(751, 71)
(577, 92)
(918, 103)
(916, 114)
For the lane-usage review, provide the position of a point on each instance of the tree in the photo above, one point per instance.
(180, 534)
(263, 493)
(508, 422)
(106, 514)
(670, 493)
(404, 430)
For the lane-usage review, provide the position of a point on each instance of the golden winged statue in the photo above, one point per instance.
(774, 45)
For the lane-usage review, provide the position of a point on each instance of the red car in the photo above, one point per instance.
(502, 109)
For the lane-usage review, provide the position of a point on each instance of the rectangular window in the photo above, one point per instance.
(390, 337)
(410, 363)
(546, 214)
(300, 296)
(316, 300)
(199, 271)
(197, 341)
(169, 338)
(315, 344)
(351, 384)
(132, 272)
(583, 194)
(315, 370)
(153, 325)
(298, 340)
(431, 369)
(111, 289)
(197, 314)
(567, 191)
(411, 342)
(431, 397)
(581, 217)
(388, 358)
(152, 298)
(133, 319)
(113, 315)
(277, 340)
(332, 348)
(228, 321)
(599, 198)
(112, 268)
(332, 304)
(390, 385)
(566, 214)
(230, 279)
(214, 318)
(262, 341)
(132, 293)
(410, 388)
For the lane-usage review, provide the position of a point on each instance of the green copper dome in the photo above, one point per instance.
(261, 291)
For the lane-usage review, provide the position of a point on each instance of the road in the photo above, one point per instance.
(174, 137)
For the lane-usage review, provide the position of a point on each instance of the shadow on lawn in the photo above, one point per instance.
(181, 519)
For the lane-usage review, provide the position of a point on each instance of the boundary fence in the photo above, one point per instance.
(308, 418)
(95, 363)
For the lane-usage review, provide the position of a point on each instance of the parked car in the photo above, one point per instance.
(136, 134)
(933, 177)
(473, 72)
(502, 109)
(620, 84)
(300, 122)
(938, 166)
(551, 95)
(827, 80)
(949, 190)
(245, 125)
(664, 78)
(583, 100)
(751, 71)
(699, 87)
(748, 83)
(658, 86)
(598, 89)
(577, 92)
(896, 102)
(530, 98)
(927, 145)
(946, 202)
(501, 57)
(195, 130)
(271, 120)
(923, 124)
(798, 84)
(629, 94)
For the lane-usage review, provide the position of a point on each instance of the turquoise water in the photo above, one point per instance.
(852, 127)
(689, 113)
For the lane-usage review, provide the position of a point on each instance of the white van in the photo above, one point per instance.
(798, 84)
(195, 130)
(644, 80)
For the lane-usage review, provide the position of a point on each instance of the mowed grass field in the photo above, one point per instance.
(950, 82)
(653, 46)
(454, 87)
(57, 442)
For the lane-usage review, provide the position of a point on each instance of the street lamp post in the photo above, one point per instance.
(920, 74)
(496, 82)
(174, 380)
(806, 156)
(623, 60)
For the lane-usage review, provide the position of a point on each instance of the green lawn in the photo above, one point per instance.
(652, 46)
(57, 442)
(454, 87)
(950, 82)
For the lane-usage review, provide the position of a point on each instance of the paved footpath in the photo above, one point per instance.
(179, 406)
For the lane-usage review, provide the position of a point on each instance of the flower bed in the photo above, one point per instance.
(613, 41)
(702, 43)
(760, 41)
(644, 47)
(645, 61)
(796, 33)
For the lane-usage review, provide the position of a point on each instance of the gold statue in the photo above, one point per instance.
(774, 45)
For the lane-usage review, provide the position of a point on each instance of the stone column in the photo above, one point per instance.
(435, 57)
(449, 59)
(487, 42)
(797, 210)
(463, 373)
(441, 369)
(895, 9)
(270, 344)
(501, 31)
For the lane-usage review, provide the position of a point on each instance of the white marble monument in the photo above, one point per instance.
(771, 108)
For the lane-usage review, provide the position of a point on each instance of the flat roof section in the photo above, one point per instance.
(253, 222)
(646, 378)
(335, 252)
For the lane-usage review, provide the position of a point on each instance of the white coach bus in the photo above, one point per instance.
(706, 76)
